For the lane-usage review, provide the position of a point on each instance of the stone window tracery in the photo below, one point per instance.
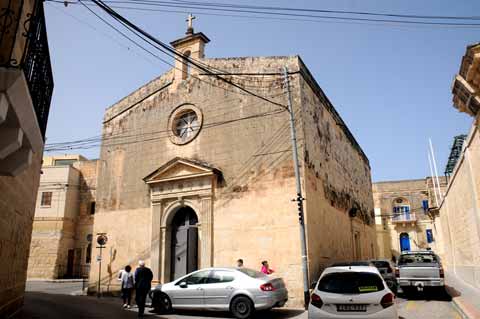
(185, 123)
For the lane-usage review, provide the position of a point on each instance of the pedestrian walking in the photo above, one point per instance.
(240, 263)
(266, 268)
(143, 283)
(127, 284)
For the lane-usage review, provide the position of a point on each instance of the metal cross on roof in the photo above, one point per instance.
(190, 21)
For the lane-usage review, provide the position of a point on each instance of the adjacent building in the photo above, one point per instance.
(460, 208)
(195, 173)
(26, 87)
(466, 85)
(405, 213)
(61, 245)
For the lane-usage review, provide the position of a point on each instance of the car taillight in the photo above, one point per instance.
(397, 272)
(387, 300)
(442, 273)
(267, 287)
(316, 301)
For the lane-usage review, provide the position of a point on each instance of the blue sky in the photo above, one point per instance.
(391, 84)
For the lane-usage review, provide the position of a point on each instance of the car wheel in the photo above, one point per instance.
(242, 307)
(162, 304)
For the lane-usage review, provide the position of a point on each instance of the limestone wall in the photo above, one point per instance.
(65, 224)
(248, 141)
(460, 214)
(412, 193)
(337, 178)
(17, 204)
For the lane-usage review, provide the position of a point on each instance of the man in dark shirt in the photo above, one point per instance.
(143, 284)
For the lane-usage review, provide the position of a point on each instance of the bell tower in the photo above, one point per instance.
(193, 46)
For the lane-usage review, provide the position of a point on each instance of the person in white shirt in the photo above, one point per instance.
(127, 285)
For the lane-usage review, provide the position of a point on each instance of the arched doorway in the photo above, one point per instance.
(184, 244)
(404, 242)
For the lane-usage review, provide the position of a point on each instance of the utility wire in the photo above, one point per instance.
(238, 9)
(126, 22)
(267, 9)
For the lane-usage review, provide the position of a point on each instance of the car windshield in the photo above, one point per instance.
(381, 264)
(417, 259)
(351, 283)
(251, 273)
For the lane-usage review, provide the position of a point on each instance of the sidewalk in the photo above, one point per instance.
(465, 297)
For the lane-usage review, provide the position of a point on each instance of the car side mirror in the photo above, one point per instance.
(313, 284)
(183, 284)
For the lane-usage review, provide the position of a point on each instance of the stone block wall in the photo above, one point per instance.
(17, 204)
(412, 193)
(460, 214)
(336, 179)
(248, 141)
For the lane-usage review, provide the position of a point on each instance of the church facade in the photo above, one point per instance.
(196, 173)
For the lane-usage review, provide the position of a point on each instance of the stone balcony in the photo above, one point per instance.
(466, 85)
(404, 218)
(26, 83)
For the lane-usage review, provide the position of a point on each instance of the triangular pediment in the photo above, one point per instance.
(179, 168)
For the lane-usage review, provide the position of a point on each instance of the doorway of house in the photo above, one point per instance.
(404, 242)
(184, 243)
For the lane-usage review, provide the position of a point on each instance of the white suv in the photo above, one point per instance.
(352, 292)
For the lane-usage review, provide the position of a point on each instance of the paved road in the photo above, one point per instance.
(427, 305)
(56, 302)
(61, 288)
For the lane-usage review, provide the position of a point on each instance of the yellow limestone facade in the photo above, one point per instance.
(187, 141)
(460, 214)
(405, 214)
(63, 223)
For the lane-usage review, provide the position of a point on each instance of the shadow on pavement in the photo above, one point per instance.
(438, 294)
(267, 314)
(39, 305)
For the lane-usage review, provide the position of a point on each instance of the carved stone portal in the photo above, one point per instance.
(177, 184)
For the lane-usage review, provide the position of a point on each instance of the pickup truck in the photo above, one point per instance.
(419, 269)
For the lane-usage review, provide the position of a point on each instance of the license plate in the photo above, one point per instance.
(351, 308)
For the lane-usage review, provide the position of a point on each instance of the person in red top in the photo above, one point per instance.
(266, 269)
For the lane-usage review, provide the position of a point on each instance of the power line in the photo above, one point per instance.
(130, 25)
(257, 10)
(268, 10)
(95, 142)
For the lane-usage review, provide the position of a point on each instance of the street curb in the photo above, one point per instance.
(464, 308)
(459, 309)
(55, 280)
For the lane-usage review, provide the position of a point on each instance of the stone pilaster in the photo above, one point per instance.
(207, 233)
(156, 240)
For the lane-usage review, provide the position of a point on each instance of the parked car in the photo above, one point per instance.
(352, 292)
(419, 269)
(387, 270)
(353, 263)
(238, 290)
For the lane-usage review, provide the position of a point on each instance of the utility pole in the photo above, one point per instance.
(299, 199)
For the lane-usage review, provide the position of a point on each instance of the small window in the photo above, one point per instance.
(429, 236)
(425, 205)
(351, 283)
(92, 208)
(62, 162)
(221, 276)
(46, 199)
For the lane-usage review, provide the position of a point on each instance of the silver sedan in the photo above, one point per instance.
(238, 290)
